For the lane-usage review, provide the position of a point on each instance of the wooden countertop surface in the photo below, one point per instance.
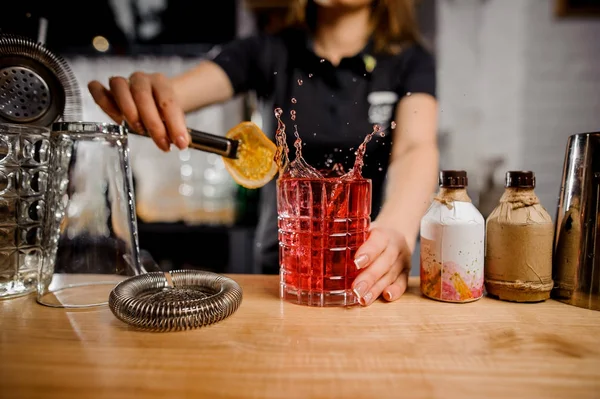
(414, 347)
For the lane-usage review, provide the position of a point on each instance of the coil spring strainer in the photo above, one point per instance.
(176, 300)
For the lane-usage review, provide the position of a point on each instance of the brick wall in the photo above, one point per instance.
(515, 81)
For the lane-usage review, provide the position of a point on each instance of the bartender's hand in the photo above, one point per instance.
(147, 103)
(384, 259)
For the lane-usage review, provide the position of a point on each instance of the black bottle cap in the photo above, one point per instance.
(453, 179)
(520, 179)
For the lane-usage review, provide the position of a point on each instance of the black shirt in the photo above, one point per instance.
(336, 107)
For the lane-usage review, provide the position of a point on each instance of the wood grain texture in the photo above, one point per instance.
(414, 347)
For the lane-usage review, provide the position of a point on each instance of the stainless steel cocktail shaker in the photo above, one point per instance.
(576, 269)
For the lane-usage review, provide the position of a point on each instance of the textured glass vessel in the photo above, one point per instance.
(24, 153)
(322, 222)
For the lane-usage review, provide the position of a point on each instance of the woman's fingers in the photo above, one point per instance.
(371, 248)
(147, 103)
(142, 94)
(171, 112)
(119, 87)
(385, 258)
(369, 284)
(105, 100)
(397, 288)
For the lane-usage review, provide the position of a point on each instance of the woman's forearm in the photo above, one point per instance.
(203, 85)
(412, 179)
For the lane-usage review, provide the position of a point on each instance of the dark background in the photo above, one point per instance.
(72, 25)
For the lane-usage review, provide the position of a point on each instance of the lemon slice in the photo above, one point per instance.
(255, 163)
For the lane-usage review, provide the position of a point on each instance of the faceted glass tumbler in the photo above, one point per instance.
(24, 152)
(322, 222)
(91, 243)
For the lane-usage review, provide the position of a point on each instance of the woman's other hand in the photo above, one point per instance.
(147, 102)
(384, 259)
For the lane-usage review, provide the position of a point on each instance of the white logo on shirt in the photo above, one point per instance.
(381, 107)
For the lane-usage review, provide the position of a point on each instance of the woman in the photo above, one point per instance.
(342, 65)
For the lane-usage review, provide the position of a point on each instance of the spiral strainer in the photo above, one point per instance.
(176, 300)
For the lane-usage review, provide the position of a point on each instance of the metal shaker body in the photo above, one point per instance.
(576, 268)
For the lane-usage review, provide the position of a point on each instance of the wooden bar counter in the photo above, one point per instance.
(412, 348)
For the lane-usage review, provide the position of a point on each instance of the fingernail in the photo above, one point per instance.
(164, 144)
(182, 142)
(360, 289)
(361, 261)
(366, 299)
(388, 295)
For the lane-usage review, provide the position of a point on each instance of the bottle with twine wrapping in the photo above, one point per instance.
(519, 237)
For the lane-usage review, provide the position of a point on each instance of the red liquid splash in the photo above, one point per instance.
(281, 155)
(298, 168)
(356, 171)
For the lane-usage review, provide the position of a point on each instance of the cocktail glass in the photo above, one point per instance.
(322, 222)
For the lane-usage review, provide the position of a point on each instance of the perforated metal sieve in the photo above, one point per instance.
(25, 95)
(176, 300)
(36, 86)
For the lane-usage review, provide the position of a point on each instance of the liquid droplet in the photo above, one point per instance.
(380, 169)
(408, 94)
(274, 73)
(354, 79)
(393, 125)
(294, 100)
(322, 60)
(314, 134)
(300, 81)
(310, 75)
(293, 115)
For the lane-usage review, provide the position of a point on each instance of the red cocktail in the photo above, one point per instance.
(322, 222)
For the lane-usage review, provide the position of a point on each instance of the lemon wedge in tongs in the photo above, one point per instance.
(255, 163)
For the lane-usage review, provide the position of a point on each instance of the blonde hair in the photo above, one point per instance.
(393, 22)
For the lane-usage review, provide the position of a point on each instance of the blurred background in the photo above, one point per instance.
(515, 79)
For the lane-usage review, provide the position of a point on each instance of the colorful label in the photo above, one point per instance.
(452, 259)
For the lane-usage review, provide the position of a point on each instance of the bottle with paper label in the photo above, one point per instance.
(518, 259)
(452, 243)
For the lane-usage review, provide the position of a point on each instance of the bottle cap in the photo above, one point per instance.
(453, 179)
(520, 179)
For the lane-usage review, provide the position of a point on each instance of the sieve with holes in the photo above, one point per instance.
(25, 95)
(37, 87)
(176, 300)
